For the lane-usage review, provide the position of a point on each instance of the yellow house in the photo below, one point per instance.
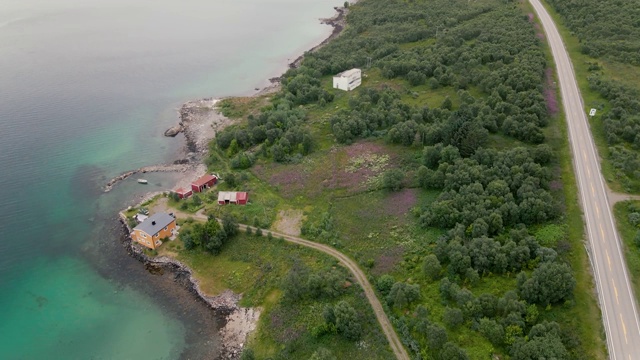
(156, 227)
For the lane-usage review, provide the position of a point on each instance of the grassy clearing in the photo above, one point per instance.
(628, 232)
(241, 107)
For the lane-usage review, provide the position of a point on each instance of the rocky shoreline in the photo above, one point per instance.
(199, 121)
(239, 321)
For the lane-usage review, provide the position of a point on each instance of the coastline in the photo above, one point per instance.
(238, 321)
(199, 121)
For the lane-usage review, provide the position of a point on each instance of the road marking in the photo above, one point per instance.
(624, 329)
(598, 209)
(609, 261)
(615, 289)
(593, 190)
(602, 232)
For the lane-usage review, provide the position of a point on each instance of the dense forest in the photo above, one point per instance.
(487, 54)
(610, 31)
(607, 29)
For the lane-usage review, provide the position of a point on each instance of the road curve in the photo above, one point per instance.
(361, 278)
(617, 302)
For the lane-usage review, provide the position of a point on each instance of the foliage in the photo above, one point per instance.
(621, 127)
(385, 283)
(392, 180)
(431, 267)
(208, 236)
(606, 29)
(489, 191)
(544, 342)
(300, 283)
(451, 351)
(453, 317)
(346, 321)
(550, 283)
(402, 294)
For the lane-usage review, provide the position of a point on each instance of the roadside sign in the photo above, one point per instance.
(592, 112)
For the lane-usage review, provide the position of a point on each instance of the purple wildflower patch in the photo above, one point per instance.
(385, 263)
(399, 203)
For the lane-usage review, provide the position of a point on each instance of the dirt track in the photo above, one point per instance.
(361, 278)
(389, 331)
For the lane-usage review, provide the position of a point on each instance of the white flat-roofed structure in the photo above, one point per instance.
(348, 80)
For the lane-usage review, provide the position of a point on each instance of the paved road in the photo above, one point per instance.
(361, 278)
(617, 302)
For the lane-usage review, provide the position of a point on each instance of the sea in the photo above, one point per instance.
(87, 88)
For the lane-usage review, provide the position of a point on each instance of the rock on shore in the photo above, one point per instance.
(239, 321)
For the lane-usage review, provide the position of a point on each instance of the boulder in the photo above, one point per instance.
(173, 131)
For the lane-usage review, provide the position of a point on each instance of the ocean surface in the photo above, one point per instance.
(87, 88)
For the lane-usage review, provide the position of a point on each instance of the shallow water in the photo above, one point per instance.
(86, 91)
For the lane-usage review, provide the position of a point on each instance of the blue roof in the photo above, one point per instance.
(155, 223)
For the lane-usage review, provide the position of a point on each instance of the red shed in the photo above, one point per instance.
(232, 197)
(242, 198)
(183, 193)
(204, 182)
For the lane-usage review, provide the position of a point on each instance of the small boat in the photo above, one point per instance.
(142, 181)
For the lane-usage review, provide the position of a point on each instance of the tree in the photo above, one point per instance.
(402, 294)
(431, 267)
(230, 179)
(229, 225)
(392, 180)
(491, 330)
(452, 317)
(436, 336)
(188, 240)
(447, 104)
(384, 284)
(416, 78)
(347, 322)
(296, 282)
(549, 283)
(451, 351)
(546, 347)
(329, 315)
(212, 236)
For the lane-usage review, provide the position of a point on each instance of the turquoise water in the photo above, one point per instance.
(86, 90)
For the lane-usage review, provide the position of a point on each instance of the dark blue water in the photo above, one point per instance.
(86, 90)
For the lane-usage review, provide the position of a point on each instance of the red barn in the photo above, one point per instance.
(203, 183)
(182, 193)
(242, 198)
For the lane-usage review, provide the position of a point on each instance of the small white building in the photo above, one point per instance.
(348, 80)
